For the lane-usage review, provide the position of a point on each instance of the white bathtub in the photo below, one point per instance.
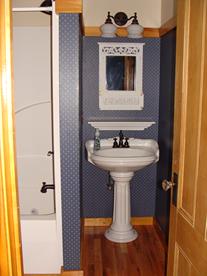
(40, 244)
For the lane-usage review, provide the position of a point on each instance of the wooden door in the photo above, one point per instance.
(10, 244)
(187, 255)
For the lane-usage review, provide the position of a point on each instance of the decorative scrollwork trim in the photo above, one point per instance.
(123, 50)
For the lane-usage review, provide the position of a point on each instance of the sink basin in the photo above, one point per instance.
(123, 152)
(142, 152)
(122, 163)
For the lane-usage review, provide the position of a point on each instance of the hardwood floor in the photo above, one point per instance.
(142, 257)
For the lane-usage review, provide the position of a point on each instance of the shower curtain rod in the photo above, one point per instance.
(32, 9)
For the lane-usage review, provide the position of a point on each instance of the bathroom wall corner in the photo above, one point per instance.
(70, 138)
(165, 132)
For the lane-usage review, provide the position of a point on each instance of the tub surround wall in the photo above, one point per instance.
(166, 106)
(69, 138)
(97, 200)
(32, 85)
(39, 245)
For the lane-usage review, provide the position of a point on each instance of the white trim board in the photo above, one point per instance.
(56, 129)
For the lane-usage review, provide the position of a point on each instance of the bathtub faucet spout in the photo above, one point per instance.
(46, 186)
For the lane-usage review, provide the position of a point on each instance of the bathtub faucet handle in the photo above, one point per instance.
(126, 144)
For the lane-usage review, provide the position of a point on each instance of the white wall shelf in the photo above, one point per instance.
(121, 125)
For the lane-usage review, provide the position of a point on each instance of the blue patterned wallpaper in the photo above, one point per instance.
(165, 134)
(69, 138)
(96, 199)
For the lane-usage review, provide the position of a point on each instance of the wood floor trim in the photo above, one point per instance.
(108, 221)
(72, 272)
(62, 273)
(82, 242)
(41, 274)
(142, 221)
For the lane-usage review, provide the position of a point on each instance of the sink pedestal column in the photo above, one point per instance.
(121, 229)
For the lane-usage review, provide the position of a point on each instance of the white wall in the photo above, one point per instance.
(168, 10)
(151, 13)
(29, 18)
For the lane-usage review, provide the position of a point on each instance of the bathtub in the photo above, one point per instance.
(40, 244)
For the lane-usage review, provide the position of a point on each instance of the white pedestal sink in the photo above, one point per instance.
(122, 163)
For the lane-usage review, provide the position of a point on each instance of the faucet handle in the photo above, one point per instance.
(115, 144)
(126, 144)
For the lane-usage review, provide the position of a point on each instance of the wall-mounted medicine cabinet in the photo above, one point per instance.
(121, 76)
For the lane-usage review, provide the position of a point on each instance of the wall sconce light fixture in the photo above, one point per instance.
(108, 29)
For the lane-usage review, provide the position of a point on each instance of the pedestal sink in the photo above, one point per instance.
(122, 163)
